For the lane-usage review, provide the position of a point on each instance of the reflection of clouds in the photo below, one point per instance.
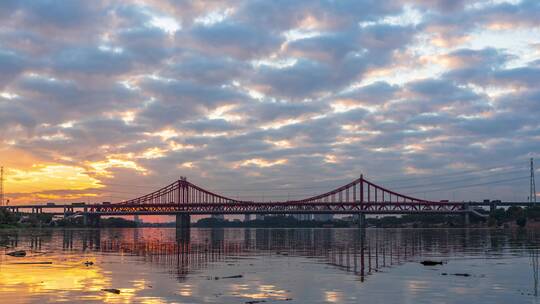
(185, 290)
(261, 291)
(62, 277)
(333, 296)
(416, 286)
(460, 290)
(67, 278)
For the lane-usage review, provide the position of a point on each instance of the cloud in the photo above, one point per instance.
(178, 100)
(322, 14)
(13, 115)
(235, 39)
(281, 93)
(372, 94)
(93, 60)
(443, 5)
(146, 45)
(207, 69)
(60, 15)
(11, 65)
(55, 100)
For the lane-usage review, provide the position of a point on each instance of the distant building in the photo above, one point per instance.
(350, 218)
(218, 216)
(323, 217)
(303, 217)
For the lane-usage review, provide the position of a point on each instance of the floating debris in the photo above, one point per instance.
(88, 263)
(229, 277)
(234, 277)
(32, 263)
(19, 253)
(457, 274)
(255, 302)
(431, 263)
(112, 290)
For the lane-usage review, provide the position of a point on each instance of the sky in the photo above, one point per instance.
(268, 100)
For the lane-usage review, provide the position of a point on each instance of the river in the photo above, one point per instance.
(160, 265)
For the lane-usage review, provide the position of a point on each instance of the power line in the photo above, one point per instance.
(453, 174)
(471, 185)
(402, 180)
(457, 181)
(398, 187)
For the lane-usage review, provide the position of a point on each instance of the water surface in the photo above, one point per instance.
(160, 265)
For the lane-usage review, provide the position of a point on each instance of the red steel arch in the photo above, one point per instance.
(362, 191)
(358, 191)
(180, 192)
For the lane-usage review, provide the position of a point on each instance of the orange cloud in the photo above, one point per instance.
(102, 167)
(46, 177)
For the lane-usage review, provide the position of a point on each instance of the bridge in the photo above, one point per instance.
(183, 198)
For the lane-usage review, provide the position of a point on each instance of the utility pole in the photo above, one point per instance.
(532, 187)
(1, 186)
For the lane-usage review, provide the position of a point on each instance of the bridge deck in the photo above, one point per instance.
(258, 208)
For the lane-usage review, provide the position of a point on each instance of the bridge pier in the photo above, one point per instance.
(362, 220)
(91, 220)
(68, 211)
(466, 219)
(183, 232)
(96, 221)
(183, 235)
(183, 221)
(492, 208)
(247, 217)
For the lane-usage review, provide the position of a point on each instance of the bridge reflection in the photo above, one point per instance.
(190, 259)
(361, 252)
(357, 255)
(358, 251)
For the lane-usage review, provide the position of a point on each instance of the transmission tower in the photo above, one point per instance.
(1, 186)
(532, 194)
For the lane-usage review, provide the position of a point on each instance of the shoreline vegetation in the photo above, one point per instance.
(510, 217)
